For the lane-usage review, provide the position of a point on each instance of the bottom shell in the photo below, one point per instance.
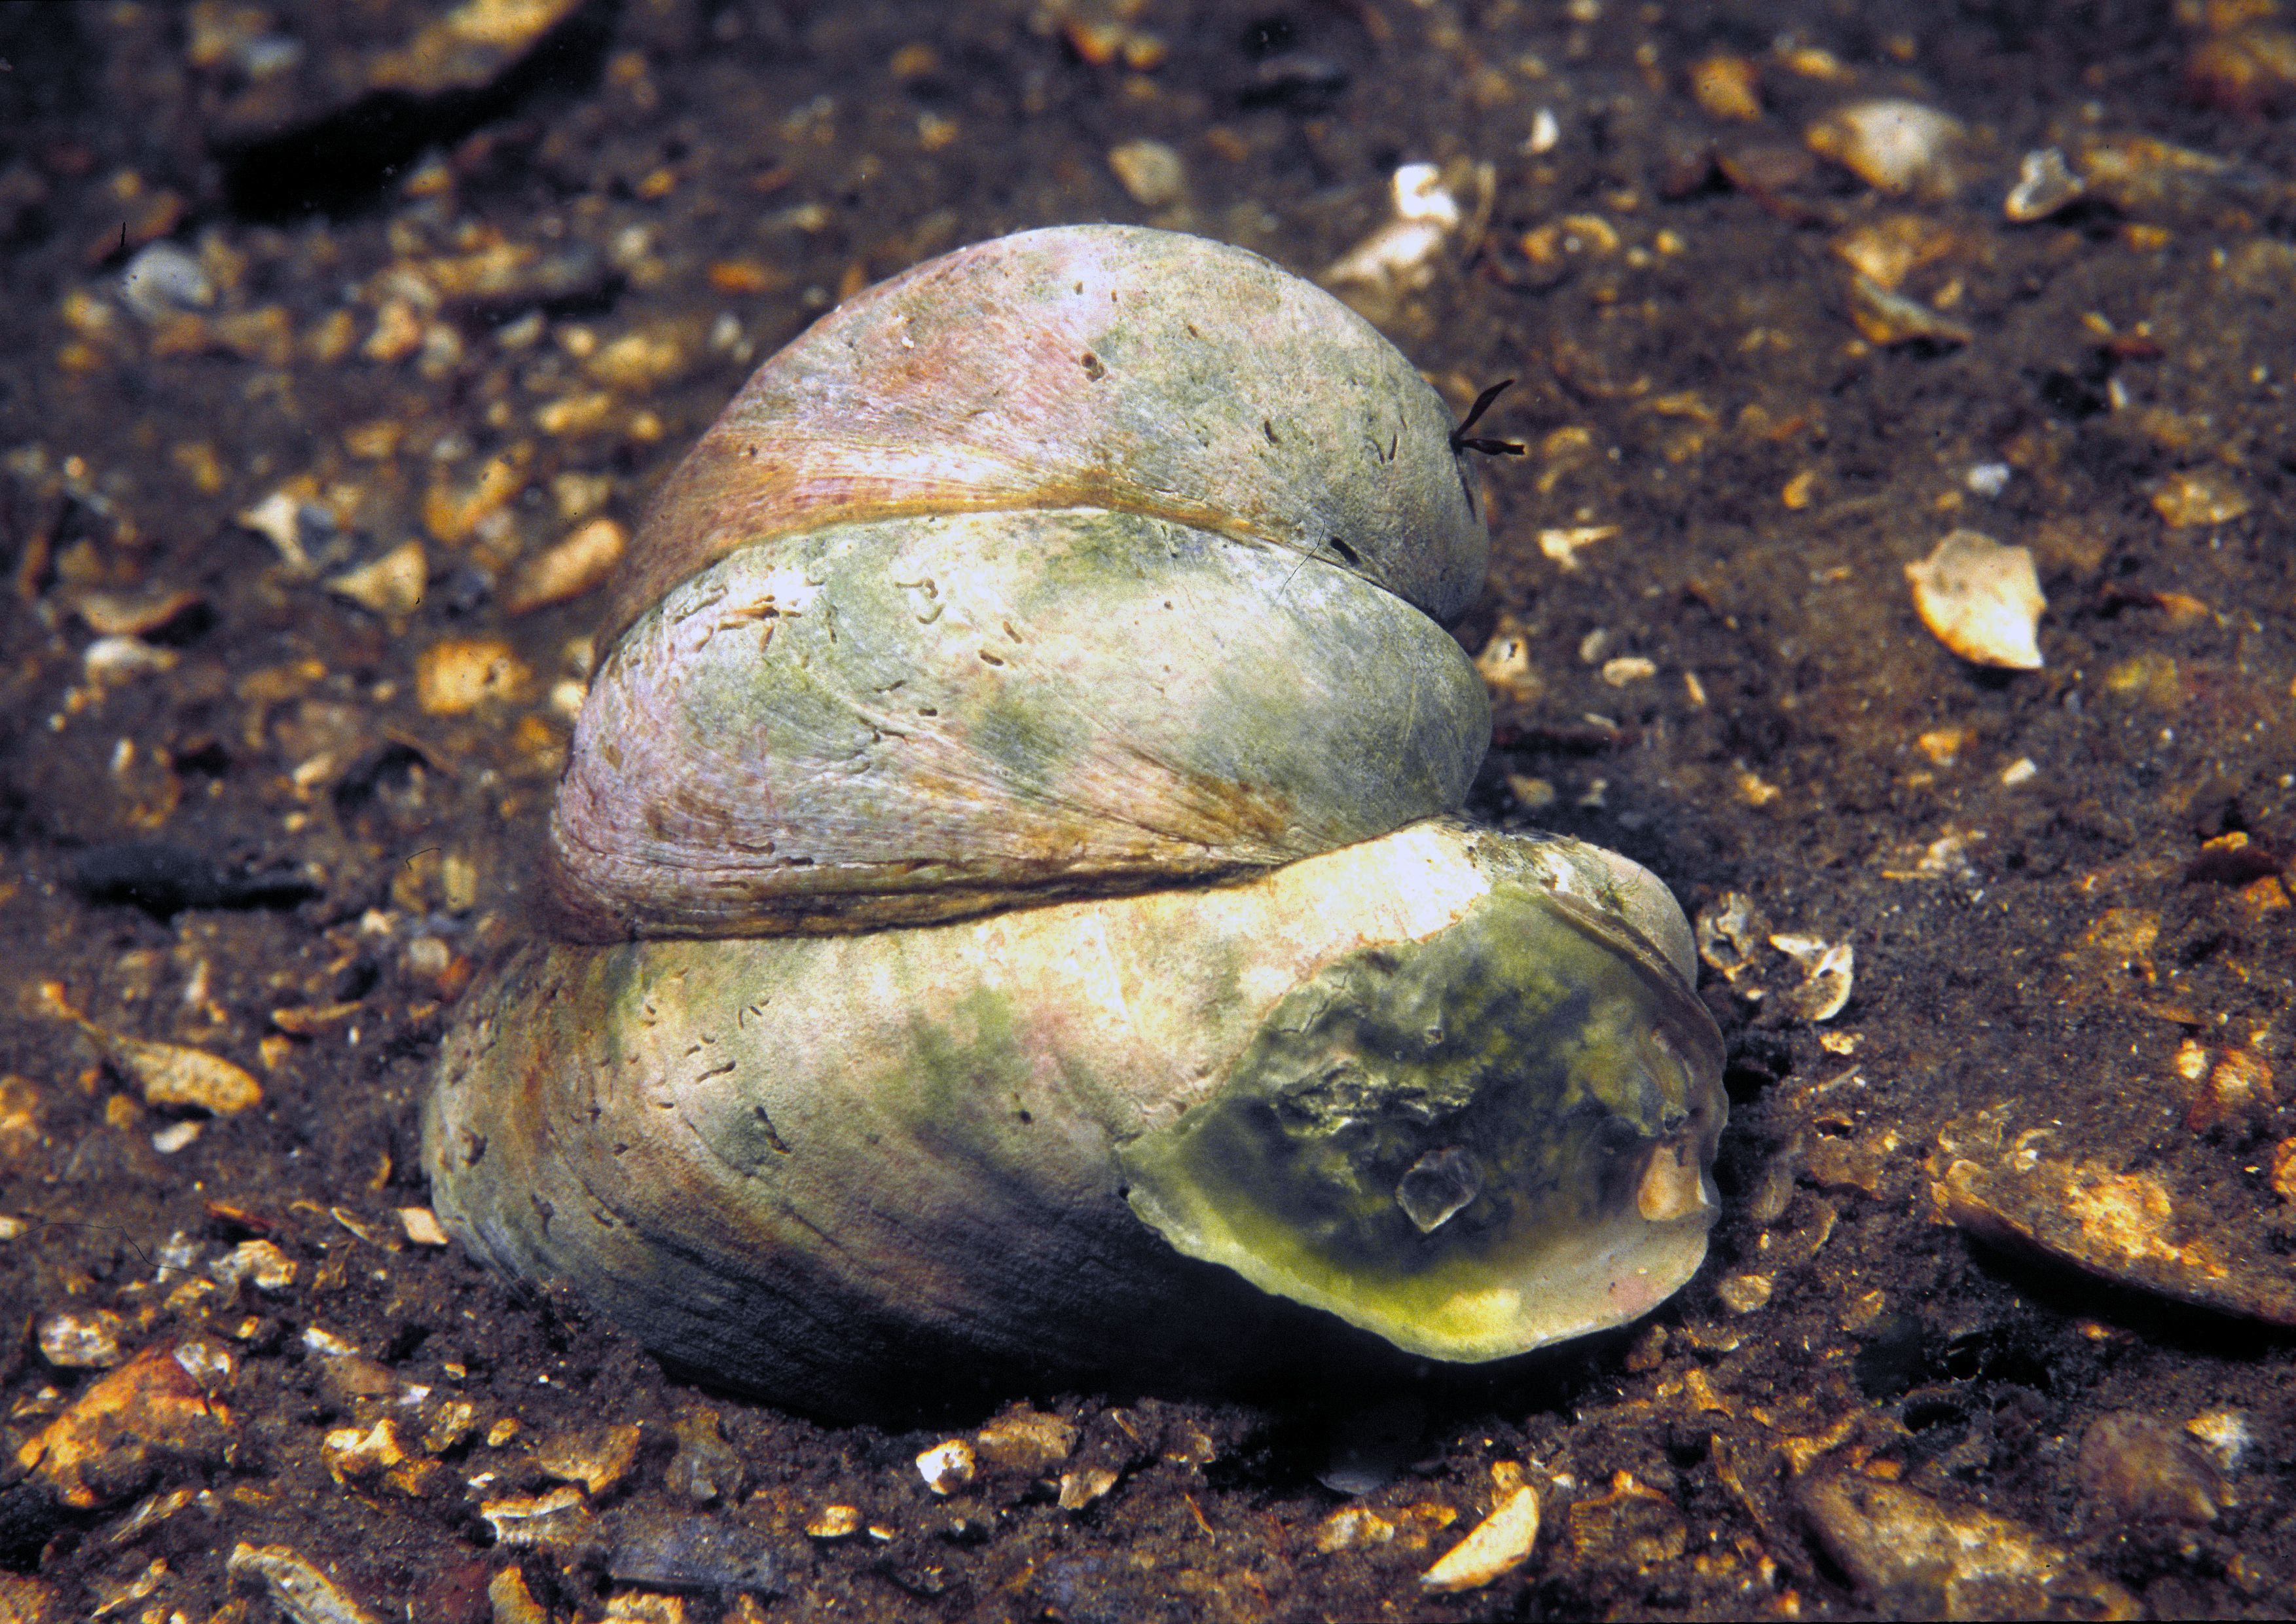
(1450, 1085)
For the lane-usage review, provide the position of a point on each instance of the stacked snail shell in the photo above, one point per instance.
(1007, 902)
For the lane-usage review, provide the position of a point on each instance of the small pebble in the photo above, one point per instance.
(833, 1523)
(392, 585)
(2148, 1472)
(1728, 86)
(278, 517)
(458, 675)
(1744, 1294)
(1080, 1487)
(352, 1452)
(513, 1601)
(2199, 496)
(1505, 667)
(257, 1263)
(1987, 479)
(1150, 171)
(133, 614)
(597, 1459)
(574, 566)
(170, 1074)
(1888, 318)
(1026, 1440)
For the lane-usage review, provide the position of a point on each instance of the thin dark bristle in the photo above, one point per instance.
(1461, 439)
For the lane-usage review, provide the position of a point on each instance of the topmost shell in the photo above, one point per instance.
(1087, 366)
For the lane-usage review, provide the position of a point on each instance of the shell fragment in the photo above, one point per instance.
(1981, 600)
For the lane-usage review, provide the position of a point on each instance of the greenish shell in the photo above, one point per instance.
(1004, 904)
(1436, 1084)
(918, 719)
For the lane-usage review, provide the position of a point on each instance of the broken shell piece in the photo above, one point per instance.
(1893, 145)
(134, 614)
(2128, 1229)
(2044, 185)
(1888, 318)
(1981, 600)
(81, 1341)
(1081, 1487)
(1727, 934)
(112, 662)
(297, 1588)
(1500, 1544)
(947, 1467)
(1826, 972)
(1562, 545)
(1400, 256)
(170, 1074)
(1505, 667)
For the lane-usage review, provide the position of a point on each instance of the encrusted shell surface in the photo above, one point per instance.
(1087, 366)
(917, 719)
(1449, 1086)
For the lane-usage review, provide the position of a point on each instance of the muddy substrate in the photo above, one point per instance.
(477, 308)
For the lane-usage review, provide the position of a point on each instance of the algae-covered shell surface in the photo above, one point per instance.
(919, 717)
(1448, 1085)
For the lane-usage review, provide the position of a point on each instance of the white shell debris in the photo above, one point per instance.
(947, 1467)
(163, 279)
(2044, 185)
(1504, 665)
(1500, 1544)
(177, 1136)
(1981, 600)
(1892, 145)
(81, 1341)
(1562, 545)
(301, 1590)
(1827, 970)
(1402, 253)
(111, 662)
(1727, 934)
(279, 518)
(421, 1226)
